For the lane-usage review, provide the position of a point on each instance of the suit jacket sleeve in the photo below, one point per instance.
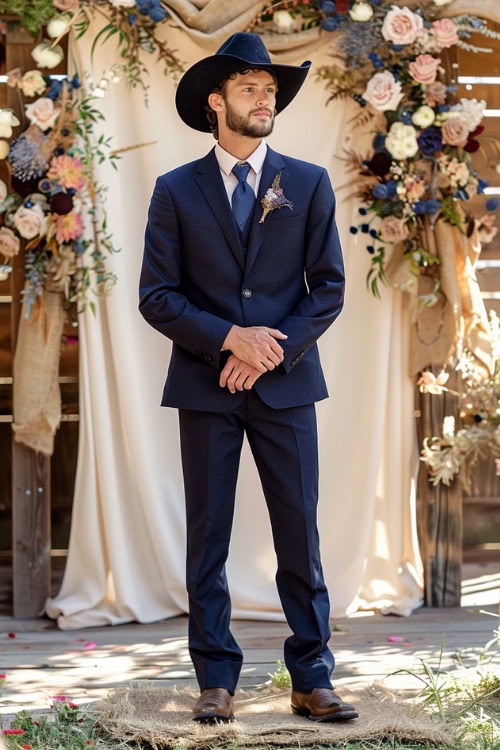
(161, 301)
(324, 269)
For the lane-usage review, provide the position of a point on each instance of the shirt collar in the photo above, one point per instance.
(227, 160)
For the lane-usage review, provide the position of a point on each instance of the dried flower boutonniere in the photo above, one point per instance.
(273, 198)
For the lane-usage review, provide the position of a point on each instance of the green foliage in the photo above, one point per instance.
(449, 211)
(33, 14)
(281, 676)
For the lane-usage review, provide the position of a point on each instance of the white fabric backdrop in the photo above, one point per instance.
(127, 545)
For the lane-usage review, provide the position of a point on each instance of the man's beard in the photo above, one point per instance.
(247, 126)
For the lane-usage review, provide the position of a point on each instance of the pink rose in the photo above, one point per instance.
(383, 91)
(435, 94)
(393, 229)
(9, 246)
(445, 32)
(455, 132)
(42, 112)
(424, 68)
(401, 26)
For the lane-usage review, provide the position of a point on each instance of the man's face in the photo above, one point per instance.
(249, 101)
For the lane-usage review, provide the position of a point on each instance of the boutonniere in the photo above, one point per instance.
(273, 198)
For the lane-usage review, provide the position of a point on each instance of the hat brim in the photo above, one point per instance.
(196, 84)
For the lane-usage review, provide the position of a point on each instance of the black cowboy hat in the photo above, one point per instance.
(241, 51)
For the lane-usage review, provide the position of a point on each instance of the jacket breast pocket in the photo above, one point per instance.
(280, 214)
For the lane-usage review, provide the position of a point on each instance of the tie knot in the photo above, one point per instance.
(241, 170)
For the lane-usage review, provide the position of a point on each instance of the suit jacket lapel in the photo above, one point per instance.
(273, 163)
(210, 181)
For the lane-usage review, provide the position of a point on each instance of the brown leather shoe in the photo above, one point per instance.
(214, 704)
(322, 705)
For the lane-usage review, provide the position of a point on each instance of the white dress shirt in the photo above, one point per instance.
(227, 162)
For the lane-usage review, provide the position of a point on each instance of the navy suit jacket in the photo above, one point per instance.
(196, 281)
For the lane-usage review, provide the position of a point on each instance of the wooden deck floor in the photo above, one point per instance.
(42, 660)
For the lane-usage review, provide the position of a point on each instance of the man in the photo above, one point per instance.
(231, 240)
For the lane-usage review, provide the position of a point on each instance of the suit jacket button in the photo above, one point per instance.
(247, 293)
(209, 357)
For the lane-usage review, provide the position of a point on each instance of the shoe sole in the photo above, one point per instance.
(213, 718)
(335, 716)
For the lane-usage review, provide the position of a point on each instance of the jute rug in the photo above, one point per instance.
(161, 716)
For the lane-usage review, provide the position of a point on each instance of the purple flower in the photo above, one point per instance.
(429, 141)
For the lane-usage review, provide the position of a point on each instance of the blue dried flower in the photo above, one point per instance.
(492, 204)
(429, 141)
(481, 185)
(378, 142)
(26, 158)
(132, 18)
(373, 232)
(376, 60)
(330, 23)
(380, 191)
(370, 249)
(157, 14)
(353, 230)
(328, 6)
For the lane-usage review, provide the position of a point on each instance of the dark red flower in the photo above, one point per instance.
(471, 146)
(61, 203)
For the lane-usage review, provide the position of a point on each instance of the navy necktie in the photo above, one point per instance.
(243, 198)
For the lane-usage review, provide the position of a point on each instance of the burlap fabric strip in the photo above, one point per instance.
(459, 318)
(161, 716)
(36, 392)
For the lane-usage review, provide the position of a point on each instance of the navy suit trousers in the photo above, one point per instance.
(284, 444)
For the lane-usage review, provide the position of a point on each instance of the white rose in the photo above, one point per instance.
(123, 3)
(30, 222)
(284, 22)
(58, 26)
(361, 12)
(401, 141)
(423, 116)
(442, 2)
(3, 190)
(45, 57)
(4, 149)
(42, 112)
(8, 117)
(471, 110)
(7, 121)
(32, 83)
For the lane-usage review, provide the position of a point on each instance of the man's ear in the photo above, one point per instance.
(214, 100)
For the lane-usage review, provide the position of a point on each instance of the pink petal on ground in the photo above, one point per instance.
(395, 638)
(89, 646)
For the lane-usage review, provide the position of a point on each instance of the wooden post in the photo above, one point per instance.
(31, 541)
(439, 509)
